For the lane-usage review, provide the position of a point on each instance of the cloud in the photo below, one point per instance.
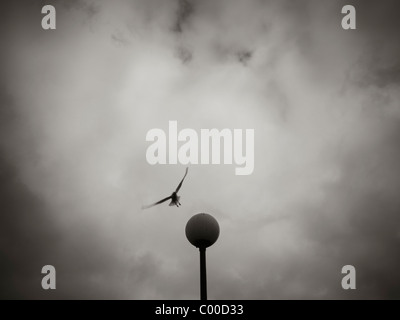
(77, 104)
(184, 54)
(185, 10)
(244, 56)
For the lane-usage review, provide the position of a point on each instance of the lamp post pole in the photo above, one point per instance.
(202, 230)
(203, 274)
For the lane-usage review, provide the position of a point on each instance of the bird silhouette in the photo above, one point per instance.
(174, 196)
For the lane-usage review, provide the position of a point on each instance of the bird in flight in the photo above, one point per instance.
(174, 196)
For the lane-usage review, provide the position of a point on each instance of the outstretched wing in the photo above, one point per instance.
(180, 184)
(154, 204)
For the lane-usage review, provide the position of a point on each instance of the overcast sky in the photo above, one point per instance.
(77, 102)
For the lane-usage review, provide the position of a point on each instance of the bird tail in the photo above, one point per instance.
(174, 202)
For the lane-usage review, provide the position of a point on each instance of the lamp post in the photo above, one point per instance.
(202, 230)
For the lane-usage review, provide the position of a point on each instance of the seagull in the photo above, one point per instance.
(174, 196)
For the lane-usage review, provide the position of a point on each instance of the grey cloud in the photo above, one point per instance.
(120, 39)
(185, 10)
(75, 110)
(184, 54)
(244, 56)
(366, 219)
(89, 8)
(27, 233)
